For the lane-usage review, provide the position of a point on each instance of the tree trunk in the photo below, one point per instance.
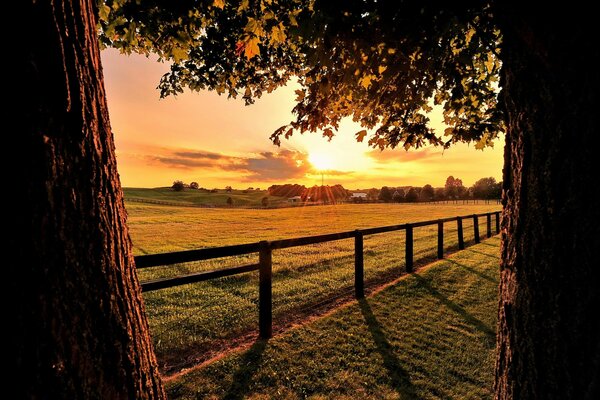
(80, 321)
(548, 344)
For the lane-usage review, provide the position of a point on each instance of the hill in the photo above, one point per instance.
(199, 198)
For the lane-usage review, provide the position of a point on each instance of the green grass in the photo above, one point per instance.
(188, 321)
(429, 336)
(192, 197)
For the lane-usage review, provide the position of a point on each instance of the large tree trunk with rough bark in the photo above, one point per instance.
(548, 332)
(80, 322)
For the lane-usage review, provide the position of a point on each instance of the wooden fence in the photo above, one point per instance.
(265, 265)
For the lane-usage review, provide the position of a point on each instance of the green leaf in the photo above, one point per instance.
(104, 12)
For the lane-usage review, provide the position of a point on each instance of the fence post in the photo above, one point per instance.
(489, 225)
(440, 239)
(265, 294)
(359, 267)
(476, 228)
(409, 248)
(461, 240)
(497, 222)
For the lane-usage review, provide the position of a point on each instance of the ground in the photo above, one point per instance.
(430, 335)
(191, 323)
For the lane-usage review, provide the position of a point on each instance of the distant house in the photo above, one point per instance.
(295, 199)
(358, 197)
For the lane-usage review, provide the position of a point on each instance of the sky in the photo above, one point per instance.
(218, 142)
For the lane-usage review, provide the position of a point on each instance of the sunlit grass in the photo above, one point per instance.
(429, 336)
(187, 320)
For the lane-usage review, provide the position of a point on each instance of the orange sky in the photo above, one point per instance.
(217, 142)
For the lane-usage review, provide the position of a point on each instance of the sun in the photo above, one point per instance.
(321, 161)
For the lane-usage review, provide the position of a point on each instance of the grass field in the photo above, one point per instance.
(429, 336)
(192, 197)
(188, 321)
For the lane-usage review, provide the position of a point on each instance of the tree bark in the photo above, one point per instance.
(80, 322)
(548, 344)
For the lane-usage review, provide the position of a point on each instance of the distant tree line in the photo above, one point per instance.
(483, 189)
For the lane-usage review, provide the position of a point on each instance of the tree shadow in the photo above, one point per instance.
(247, 367)
(476, 323)
(474, 271)
(398, 375)
(496, 257)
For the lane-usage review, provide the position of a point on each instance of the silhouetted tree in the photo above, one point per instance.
(486, 188)
(228, 189)
(454, 188)
(178, 186)
(412, 195)
(194, 185)
(373, 194)
(439, 194)
(398, 195)
(427, 193)
(385, 194)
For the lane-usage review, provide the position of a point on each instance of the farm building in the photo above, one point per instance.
(295, 199)
(358, 195)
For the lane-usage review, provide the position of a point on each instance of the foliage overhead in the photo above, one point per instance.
(384, 63)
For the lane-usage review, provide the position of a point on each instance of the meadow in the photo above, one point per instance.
(189, 323)
(190, 197)
(430, 335)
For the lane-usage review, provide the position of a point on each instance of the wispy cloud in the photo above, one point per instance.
(400, 155)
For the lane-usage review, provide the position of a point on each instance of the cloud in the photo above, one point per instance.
(200, 155)
(331, 172)
(271, 166)
(397, 155)
(264, 166)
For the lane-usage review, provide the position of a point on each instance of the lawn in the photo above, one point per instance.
(428, 336)
(188, 323)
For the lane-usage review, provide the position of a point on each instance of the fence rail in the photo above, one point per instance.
(265, 263)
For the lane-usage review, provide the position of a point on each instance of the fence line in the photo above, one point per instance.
(265, 263)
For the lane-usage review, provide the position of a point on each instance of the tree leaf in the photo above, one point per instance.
(254, 27)
(300, 95)
(278, 34)
(251, 49)
(243, 6)
(360, 135)
(104, 12)
(219, 4)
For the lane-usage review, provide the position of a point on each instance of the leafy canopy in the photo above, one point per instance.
(384, 63)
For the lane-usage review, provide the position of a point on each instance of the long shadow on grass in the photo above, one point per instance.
(398, 375)
(473, 271)
(476, 323)
(495, 256)
(247, 367)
